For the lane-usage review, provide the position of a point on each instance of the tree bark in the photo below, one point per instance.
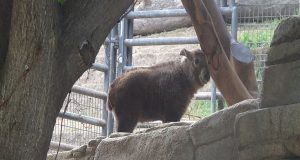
(46, 49)
(215, 42)
(5, 16)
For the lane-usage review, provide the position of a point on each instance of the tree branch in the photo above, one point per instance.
(83, 29)
(215, 42)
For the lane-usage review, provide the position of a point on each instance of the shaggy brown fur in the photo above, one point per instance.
(161, 92)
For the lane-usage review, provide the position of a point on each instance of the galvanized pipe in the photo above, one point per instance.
(100, 67)
(234, 22)
(82, 118)
(213, 97)
(168, 13)
(89, 92)
(161, 41)
(106, 80)
(206, 96)
(112, 74)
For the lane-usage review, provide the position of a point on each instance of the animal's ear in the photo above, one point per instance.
(186, 53)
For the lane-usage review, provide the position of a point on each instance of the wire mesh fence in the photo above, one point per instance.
(256, 25)
(77, 133)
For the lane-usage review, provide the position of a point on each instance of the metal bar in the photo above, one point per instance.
(125, 36)
(206, 96)
(63, 146)
(129, 36)
(120, 56)
(106, 84)
(213, 97)
(112, 76)
(110, 40)
(234, 22)
(89, 92)
(161, 41)
(168, 13)
(100, 67)
(82, 118)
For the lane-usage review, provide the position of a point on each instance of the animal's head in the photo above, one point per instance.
(198, 63)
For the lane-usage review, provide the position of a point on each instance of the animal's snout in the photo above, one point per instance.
(205, 75)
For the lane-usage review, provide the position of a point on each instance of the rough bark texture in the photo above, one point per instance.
(48, 47)
(222, 71)
(5, 15)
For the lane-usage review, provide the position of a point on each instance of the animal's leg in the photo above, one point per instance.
(126, 124)
(172, 117)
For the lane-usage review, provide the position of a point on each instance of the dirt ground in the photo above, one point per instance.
(143, 55)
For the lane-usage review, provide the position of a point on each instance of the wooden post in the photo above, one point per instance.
(215, 42)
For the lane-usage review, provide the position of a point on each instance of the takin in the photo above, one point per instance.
(160, 92)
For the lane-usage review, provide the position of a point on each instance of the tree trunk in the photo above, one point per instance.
(45, 48)
(215, 42)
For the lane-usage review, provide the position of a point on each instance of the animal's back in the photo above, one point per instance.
(154, 89)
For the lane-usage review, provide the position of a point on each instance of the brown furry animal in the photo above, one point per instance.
(161, 92)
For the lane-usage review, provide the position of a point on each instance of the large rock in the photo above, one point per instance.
(281, 77)
(214, 135)
(208, 139)
(163, 143)
(219, 125)
(271, 133)
(84, 152)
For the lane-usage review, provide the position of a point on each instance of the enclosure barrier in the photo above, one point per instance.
(161, 41)
(82, 118)
(126, 42)
(100, 67)
(89, 92)
(168, 13)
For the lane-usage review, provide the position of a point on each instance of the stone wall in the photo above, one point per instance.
(209, 139)
(273, 131)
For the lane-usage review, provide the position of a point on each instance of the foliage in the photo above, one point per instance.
(61, 2)
(259, 73)
(199, 109)
(257, 35)
(260, 36)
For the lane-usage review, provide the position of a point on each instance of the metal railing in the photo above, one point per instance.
(126, 42)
